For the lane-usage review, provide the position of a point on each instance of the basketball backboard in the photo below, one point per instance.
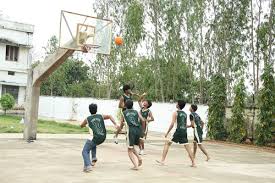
(78, 31)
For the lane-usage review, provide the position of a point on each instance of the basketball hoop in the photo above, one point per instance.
(89, 47)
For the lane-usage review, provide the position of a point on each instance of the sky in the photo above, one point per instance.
(44, 15)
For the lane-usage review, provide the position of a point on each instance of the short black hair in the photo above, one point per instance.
(181, 104)
(129, 104)
(194, 107)
(126, 87)
(93, 108)
(149, 103)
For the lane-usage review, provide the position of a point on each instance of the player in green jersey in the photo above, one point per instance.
(197, 125)
(97, 129)
(179, 118)
(148, 116)
(131, 119)
(127, 95)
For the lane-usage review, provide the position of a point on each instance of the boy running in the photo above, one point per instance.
(131, 119)
(148, 116)
(97, 128)
(198, 125)
(179, 118)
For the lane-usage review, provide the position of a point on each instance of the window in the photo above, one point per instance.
(12, 53)
(13, 90)
(11, 73)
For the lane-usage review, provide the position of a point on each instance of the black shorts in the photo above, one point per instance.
(133, 136)
(180, 136)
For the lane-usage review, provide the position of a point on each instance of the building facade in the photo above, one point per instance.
(15, 59)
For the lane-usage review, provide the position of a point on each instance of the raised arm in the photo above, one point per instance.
(174, 118)
(135, 94)
(84, 123)
(140, 99)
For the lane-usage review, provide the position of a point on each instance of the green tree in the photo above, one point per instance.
(216, 110)
(266, 102)
(237, 130)
(7, 102)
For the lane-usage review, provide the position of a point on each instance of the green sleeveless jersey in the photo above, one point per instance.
(126, 97)
(145, 113)
(196, 119)
(96, 123)
(131, 118)
(181, 120)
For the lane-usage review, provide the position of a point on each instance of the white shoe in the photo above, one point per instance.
(141, 152)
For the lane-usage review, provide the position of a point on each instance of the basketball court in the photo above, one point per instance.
(57, 158)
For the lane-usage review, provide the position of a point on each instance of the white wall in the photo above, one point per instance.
(18, 79)
(23, 60)
(62, 108)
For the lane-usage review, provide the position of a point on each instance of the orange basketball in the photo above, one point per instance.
(119, 41)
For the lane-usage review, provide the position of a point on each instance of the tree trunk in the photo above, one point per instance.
(271, 25)
(252, 47)
(156, 56)
(189, 58)
(201, 68)
(257, 50)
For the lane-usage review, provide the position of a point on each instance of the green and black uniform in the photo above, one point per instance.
(144, 114)
(197, 128)
(133, 127)
(180, 135)
(120, 110)
(97, 125)
(125, 98)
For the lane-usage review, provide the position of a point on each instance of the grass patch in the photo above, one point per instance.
(10, 124)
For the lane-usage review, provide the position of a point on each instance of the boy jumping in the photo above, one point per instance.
(127, 95)
(148, 116)
(179, 118)
(131, 119)
(198, 125)
(97, 128)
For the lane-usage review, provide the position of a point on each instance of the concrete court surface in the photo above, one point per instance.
(57, 159)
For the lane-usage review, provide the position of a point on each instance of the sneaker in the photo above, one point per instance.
(115, 140)
(141, 152)
(87, 169)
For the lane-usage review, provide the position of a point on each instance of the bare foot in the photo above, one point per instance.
(208, 158)
(160, 162)
(134, 168)
(139, 162)
(193, 165)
